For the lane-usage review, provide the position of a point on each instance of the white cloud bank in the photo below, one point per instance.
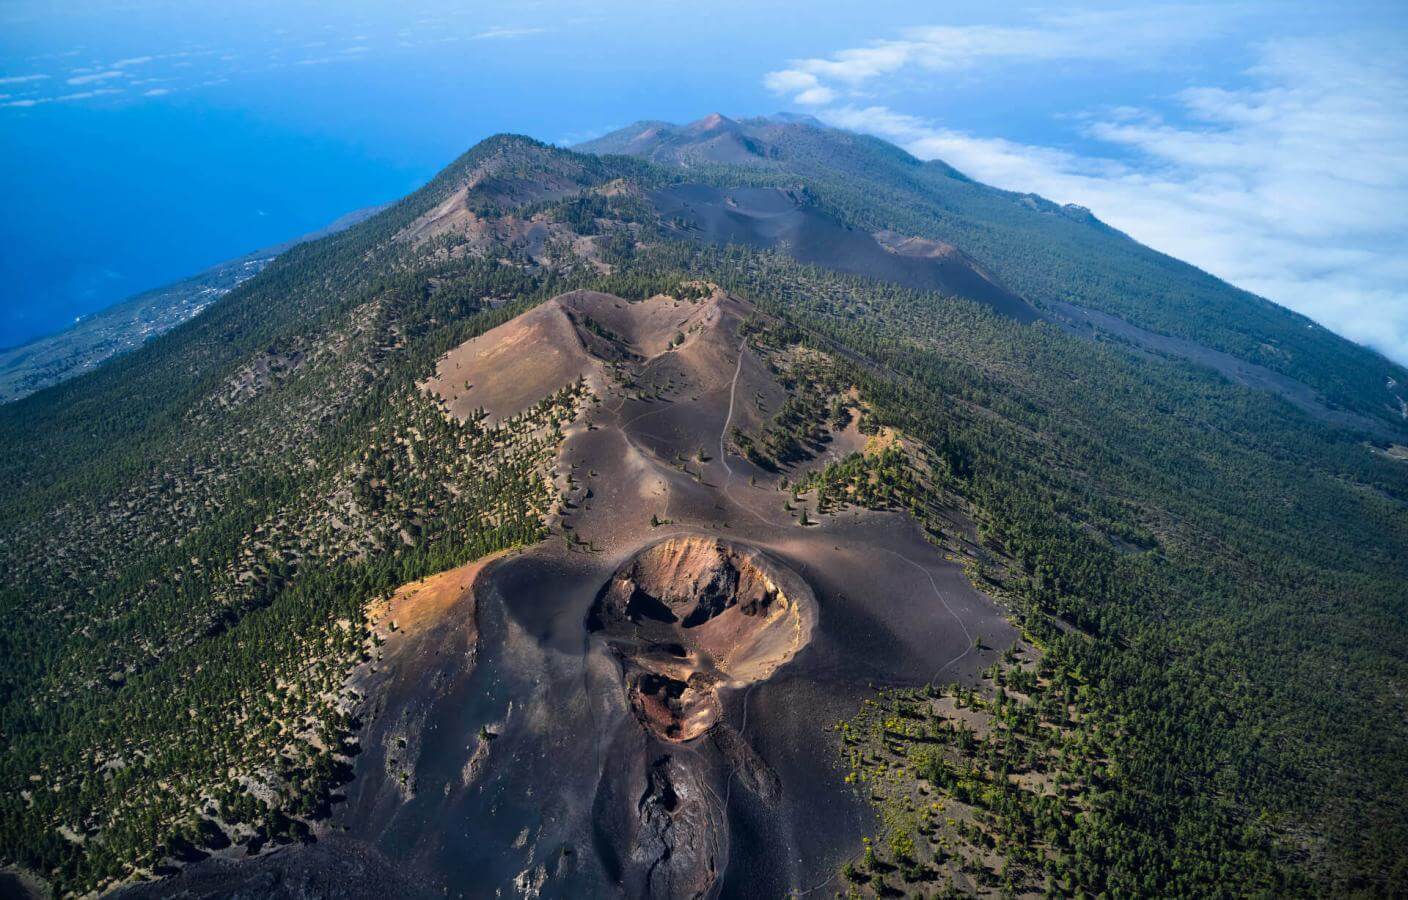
(63, 98)
(1130, 37)
(504, 33)
(97, 76)
(1295, 187)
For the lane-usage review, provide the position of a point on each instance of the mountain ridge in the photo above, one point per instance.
(1160, 576)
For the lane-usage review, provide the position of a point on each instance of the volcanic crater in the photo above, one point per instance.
(689, 614)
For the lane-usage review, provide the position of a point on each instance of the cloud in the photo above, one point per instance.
(157, 92)
(132, 61)
(21, 79)
(805, 87)
(1293, 185)
(97, 76)
(1130, 36)
(87, 95)
(62, 98)
(501, 33)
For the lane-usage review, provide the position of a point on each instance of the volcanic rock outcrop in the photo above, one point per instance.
(676, 845)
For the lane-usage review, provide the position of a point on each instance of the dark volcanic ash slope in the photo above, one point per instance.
(777, 218)
(644, 709)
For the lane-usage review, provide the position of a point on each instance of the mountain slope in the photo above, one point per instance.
(53, 358)
(1057, 257)
(775, 218)
(1139, 625)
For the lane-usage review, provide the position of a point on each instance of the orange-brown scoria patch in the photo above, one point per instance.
(420, 604)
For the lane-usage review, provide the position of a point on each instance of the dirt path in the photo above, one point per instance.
(728, 420)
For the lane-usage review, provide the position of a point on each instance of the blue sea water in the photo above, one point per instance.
(143, 140)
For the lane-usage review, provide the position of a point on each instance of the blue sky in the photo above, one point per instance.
(141, 141)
